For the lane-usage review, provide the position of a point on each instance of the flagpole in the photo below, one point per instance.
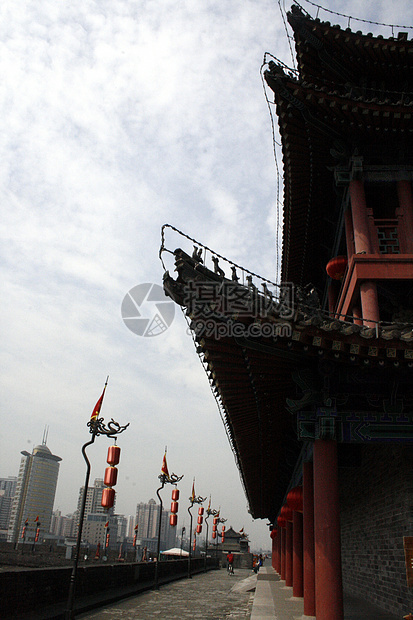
(69, 614)
(193, 500)
(164, 478)
(96, 427)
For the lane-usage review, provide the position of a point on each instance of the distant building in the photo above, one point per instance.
(122, 527)
(35, 493)
(97, 526)
(147, 518)
(7, 491)
(62, 526)
(93, 504)
(131, 526)
(235, 541)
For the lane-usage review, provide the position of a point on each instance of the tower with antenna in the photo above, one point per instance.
(35, 493)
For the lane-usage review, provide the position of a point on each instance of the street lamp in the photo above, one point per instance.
(96, 428)
(194, 500)
(218, 520)
(182, 538)
(209, 512)
(165, 478)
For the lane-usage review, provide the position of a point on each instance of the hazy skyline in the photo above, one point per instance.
(117, 118)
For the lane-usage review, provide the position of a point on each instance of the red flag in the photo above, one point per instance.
(107, 524)
(36, 519)
(193, 492)
(96, 410)
(164, 468)
(136, 527)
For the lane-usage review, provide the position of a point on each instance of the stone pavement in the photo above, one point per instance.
(220, 596)
(213, 595)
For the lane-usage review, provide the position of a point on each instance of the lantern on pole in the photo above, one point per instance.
(96, 427)
(166, 478)
(111, 477)
(135, 534)
(24, 529)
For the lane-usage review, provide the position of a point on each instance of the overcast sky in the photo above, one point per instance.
(118, 117)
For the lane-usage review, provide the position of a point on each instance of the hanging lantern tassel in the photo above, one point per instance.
(111, 477)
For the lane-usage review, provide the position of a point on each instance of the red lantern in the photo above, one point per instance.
(214, 535)
(111, 476)
(336, 267)
(173, 520)
(286, 513)
(37, 535)
(198, 529)
(295, 499)
(201, 510)
(113, 455)
(281, 521)
(175, 495)
(107, 538)
(108, 498)
(215, 521)
(223, 528)
(174, 507)
(200, 520)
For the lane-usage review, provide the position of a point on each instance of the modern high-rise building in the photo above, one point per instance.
(94, 513)
(62, 525)
(147, 518)
(7, 491)
(35, 493)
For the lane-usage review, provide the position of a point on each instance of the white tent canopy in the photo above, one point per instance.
(176, 551)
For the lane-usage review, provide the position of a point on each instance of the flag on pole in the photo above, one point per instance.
(107, 524)
(97, 407)
(36, 519)
(136, 527)
(164, 468)
(193, 492)
(209, 505)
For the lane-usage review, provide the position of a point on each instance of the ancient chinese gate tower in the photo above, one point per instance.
(315, 385)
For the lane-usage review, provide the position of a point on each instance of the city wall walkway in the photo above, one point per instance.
(221, 596)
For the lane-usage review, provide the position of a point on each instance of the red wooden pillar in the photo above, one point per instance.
(289, 554)
(283, 538)
(363, 245)
(404, 190)
(279, 550)
(361, 226)
(274, 548)
(308, 540)
(328, 582)
(297, 553)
